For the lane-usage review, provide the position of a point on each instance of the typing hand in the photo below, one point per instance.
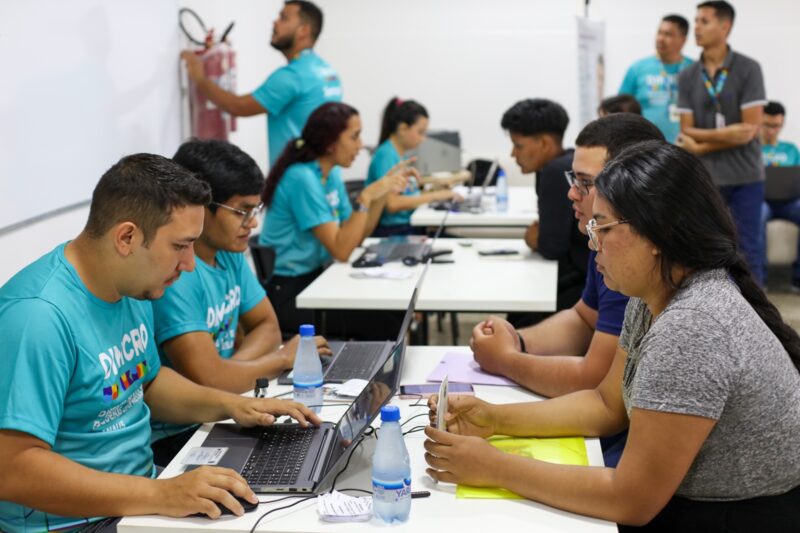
(466, 415)
(460, 459)
(250, 412)
(196, 491)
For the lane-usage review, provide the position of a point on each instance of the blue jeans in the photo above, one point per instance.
(745, 204)
(787, 210)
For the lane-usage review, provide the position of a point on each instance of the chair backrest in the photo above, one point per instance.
(263, 259)
(354, 188)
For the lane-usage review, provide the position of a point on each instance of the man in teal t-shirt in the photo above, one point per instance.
(292, 92)
(653, 81)
(778, 153)
(197, 319)
(80, 374)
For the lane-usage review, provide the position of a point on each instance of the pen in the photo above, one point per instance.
(420, 494)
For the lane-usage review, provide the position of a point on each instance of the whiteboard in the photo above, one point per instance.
(84, 82)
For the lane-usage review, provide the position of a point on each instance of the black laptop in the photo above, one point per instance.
(783, 183)
(290, 458)
(358, 359)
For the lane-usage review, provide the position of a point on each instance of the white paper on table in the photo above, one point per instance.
(350, 388)
(338, 507)
(382, 273)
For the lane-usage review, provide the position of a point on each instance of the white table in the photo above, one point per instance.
(522, 282)
(441, 512)
(521, 212)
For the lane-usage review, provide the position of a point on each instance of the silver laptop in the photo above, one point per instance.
(474, 199)
(294, 459)
(783, 183)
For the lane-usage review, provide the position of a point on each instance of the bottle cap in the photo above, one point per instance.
(390, 413)
(307, 330)
(501, 172)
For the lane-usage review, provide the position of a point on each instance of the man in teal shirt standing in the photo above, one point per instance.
(778, 153)
(653, 81)
(292, 92)
(80, 376)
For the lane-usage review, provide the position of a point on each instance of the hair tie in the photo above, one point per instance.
(299, 143)
(398, 101)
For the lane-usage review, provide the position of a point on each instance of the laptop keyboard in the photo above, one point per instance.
(278, 456)
(356, 360)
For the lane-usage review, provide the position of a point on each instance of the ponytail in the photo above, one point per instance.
(322, 130)
(398, 112)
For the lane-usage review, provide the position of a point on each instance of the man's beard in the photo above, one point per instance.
(283, 44)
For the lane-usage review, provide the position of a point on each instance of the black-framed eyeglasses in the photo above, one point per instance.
(582, 184)
(592, 227)
(247, 216)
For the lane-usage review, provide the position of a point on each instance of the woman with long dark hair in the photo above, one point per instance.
(402, 129)
(705, 376)
(309, 217)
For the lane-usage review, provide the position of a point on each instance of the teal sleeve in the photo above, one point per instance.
(252, 291)
(307, 201)
(181, 310)
(39, 356)
(629, 83)
(277, 91)
(345, 207)
(378, 167)
(794, 155)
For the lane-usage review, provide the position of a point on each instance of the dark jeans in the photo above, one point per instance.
(335, 324)
(789, 210)
(776, 514)
(745, 204)
(164, 450)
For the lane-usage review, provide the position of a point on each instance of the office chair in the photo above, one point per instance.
(263, 259)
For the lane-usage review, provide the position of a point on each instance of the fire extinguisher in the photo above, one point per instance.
(207, 121)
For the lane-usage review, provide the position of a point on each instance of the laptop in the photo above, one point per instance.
(359, 359)
(783, 183)
(394, 249)
(290, 458)
(472, 203)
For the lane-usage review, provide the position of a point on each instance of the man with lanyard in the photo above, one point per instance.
(290, 93)
(780, 154)
(721, 102)
(653, 81)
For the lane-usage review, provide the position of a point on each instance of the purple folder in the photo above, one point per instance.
(461, 367)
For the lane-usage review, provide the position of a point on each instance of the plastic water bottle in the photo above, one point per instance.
(391, 470)
(307, 373)
(501, 192)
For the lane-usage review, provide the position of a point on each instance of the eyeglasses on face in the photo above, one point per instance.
(247, 216)
(582, 184)
(592, 229)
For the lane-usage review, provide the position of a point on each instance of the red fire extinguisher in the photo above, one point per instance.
(207, 121)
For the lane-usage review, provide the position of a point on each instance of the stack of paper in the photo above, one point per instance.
(337, 507)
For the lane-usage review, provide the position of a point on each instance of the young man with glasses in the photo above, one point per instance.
(573, 349)
(197, 320)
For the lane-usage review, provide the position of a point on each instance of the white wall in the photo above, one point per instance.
(467, 61)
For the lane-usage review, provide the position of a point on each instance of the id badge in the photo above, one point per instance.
(674, 116)
(720, 120)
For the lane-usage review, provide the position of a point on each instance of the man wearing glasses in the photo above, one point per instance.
(572, 350)
(197, 320)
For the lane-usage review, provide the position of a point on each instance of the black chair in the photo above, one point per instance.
(263, 259)
(354, 188)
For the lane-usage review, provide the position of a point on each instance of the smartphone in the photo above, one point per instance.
(425, 390)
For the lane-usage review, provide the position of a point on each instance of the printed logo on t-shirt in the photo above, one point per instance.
(220, 318)
(775, 159)
(333, 201)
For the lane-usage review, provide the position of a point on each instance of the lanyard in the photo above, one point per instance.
(714, 92)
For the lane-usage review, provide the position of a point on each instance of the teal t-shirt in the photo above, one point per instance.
(384, 158)
(301, 203)
(655, 86)
(207, 299)
(72, 372)
(783, 154)
(291, 93)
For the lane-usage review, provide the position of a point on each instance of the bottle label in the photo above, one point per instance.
(308, 385)
(391, 491)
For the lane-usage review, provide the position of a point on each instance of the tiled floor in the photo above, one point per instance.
(787, 302)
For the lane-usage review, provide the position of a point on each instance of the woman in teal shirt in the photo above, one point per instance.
(403, 129)
(309, 218)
